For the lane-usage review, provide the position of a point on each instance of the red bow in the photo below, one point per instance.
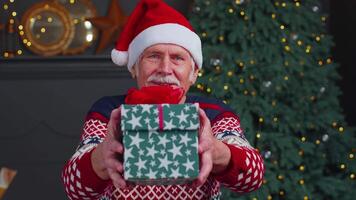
(154, 95)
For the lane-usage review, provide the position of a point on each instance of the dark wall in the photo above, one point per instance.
(342, 27)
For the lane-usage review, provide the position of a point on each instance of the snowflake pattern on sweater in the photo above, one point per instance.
(244, 173)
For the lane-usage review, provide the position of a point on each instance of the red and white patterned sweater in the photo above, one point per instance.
(244, 173)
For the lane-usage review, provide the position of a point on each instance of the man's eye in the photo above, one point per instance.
(178, 58)
(154, 56)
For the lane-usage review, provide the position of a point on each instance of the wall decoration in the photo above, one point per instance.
(48, 28)
(85, 33)
(109, 25)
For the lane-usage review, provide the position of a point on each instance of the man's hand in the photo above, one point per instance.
(214, 155)
(105, 158)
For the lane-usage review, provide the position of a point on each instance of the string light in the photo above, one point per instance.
(306, 198)
(297, 4)
(284, 40)
(221, 38)
(351, 156)
(303, 139)
(275, 119)
(352, 176)
(242, 13)
(341, 129)
(269, 197)
(328, 60)
(320, 63)
(301, 181)
(245, 92)
(226, 87)
(342, 166)
(286, 78)
(208, 90)
(204, 34)
(253, 93)
(273, 16)
(284, 4)
(242, 80)
(301, 153)
(258, 135)
(14, 14)
(308, 49)
(317, 142)
(301, 168)
(6, 6)
(274, 103)
(230, 73)
(230, 10)
(260, 120)
(280, 177)
(282, 27)
(300, 43)
(334, 124)
(317, 38)
(19, 52)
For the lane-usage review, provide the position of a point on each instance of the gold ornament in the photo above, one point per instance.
(85, 32)
(47, 37)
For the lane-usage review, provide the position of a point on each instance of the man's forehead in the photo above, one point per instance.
(161, 48)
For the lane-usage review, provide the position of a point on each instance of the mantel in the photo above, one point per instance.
(60, 67)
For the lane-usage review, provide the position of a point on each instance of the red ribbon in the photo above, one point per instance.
(154, 95)
(160, 116)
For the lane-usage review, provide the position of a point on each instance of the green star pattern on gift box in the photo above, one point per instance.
(154, 156)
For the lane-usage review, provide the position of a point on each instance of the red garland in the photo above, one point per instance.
(154, 95)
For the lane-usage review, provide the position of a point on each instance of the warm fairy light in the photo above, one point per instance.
(342, 166)
(75, 21)
(245, 92)
(275, 119)
(269, 197)
(238, 1)
(72, 1)
(242, 80)
(43, 30)
(258, 135)
(303, 139)
(241, 64)
(351, 155)
(317, 38)
(89, 37)
(6, 7)
(323, 18)
(25, 41)
(301, 153)
(49, 19)
(334, 124)
(252, 77)
(276, 3)
(39, 17)
(200, 74)
(300, 43)
(286, 78)
(273, 16)
(281, 193)
(253, 93)
(280, 177)
(301, 181)
(231, 10)
(260, 119)
(21, 32)
(229, 73)
(12, 1)
(19, 52)
(341, 129)
(20, 27)
(12, 21)
(6, 54)
(297, 4)
(320, 63)
(274, 103)
(203, 34)
(242, 13)
(282, 27)
(252, 62)
(301, 168)
(14, 14)
(226, 87)
(284, 4)
(328, 60)
(317, 142)
(29, 44)
(284, 40)
(208, 90)
(352, 176)
(306, 198)
(221, 38)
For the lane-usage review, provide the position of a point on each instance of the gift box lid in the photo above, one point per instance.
(159, 117)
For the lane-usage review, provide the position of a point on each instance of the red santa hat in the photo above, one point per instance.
(154, 22)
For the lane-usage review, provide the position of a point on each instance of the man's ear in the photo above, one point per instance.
(133, 73)
(195, 75)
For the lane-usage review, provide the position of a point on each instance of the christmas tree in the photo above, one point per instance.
(271, 62)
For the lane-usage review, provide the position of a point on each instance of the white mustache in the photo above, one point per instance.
(163, 79)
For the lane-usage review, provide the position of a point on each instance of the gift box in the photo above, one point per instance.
(160, 143)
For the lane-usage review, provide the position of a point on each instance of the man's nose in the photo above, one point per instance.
(165, 66)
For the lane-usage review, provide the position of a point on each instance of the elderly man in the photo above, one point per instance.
(160, 48)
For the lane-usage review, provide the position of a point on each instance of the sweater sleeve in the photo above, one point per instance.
(78, 176)
(245, 170)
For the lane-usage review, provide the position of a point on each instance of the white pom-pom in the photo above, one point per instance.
(119, 57)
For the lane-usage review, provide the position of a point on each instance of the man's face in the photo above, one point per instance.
(166, 64)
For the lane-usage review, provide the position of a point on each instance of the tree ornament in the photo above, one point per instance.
(215, 61)
(325, 137)
(267, 84)
(267, 154)
(315, 8)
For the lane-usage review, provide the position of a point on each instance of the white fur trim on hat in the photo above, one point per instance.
(169, 33)
(119, 57)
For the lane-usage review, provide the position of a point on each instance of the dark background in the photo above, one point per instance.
(43, 101)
